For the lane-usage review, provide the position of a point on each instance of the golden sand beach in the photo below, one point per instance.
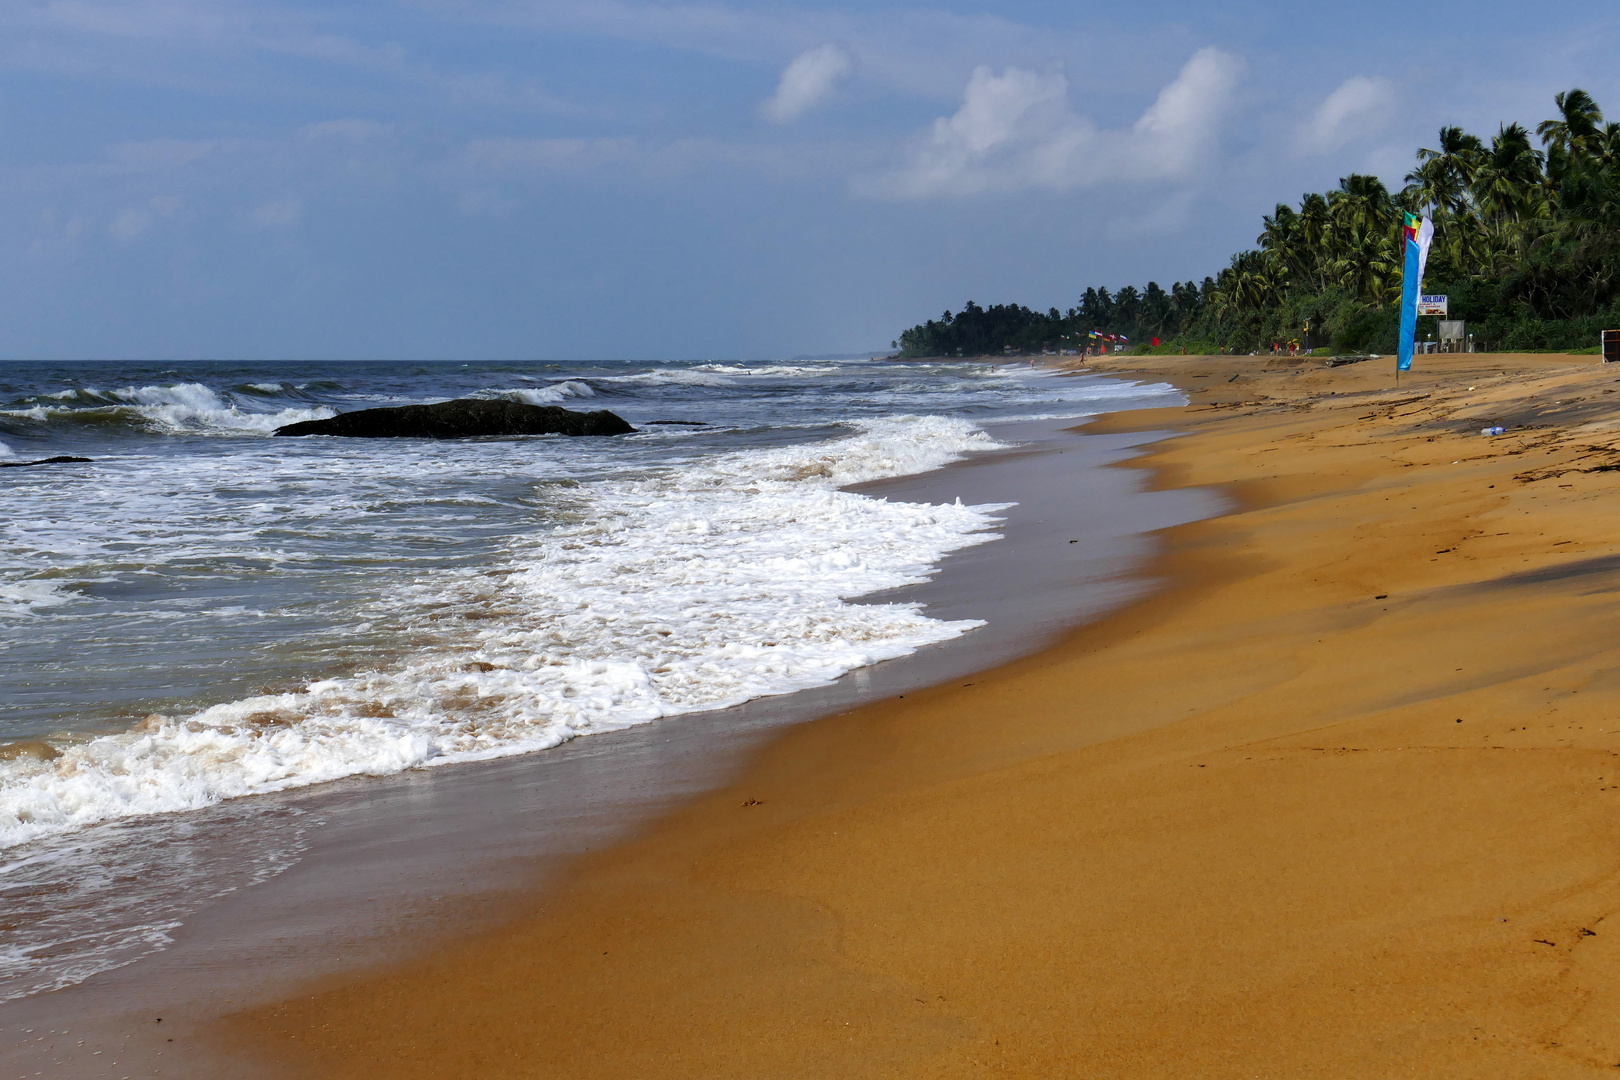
(1342, 799)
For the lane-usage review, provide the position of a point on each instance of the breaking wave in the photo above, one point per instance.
(181, 408)
(691, 588)
(547, 395)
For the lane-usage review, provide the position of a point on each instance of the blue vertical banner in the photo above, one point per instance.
(1418, 237)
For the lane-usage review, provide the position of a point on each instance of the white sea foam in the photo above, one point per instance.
(5, 451)
(192, 406)
(690, 588)
(1091, 398)
(617, 580)
(548, 395)
(20, 598)
(770, 371)
(673, 377)
(180, 408)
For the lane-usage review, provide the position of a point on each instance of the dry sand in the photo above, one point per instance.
(1342, 800)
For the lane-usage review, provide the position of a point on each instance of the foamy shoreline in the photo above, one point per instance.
(1290, 715)
(1340, 799)
(696, 756)
(632, 614)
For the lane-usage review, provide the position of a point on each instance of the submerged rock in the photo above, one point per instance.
(62, 459)
(462, 418)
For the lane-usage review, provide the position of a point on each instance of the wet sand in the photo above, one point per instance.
(394, 866)
(1344, 800)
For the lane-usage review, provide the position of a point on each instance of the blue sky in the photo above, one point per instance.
(512, 179)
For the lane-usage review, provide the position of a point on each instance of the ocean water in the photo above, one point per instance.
(204, 612)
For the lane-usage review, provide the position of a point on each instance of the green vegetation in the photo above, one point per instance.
(1527, 246)
(976, 331)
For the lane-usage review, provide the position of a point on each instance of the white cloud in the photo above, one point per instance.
(488, 201)
(919, 49)
(200, 46)
(998, 109)
(129, 224)
(493, 160)
(1182, 126)
(808, 81)
(1016, 130)
(133, 221)
(277, 214)
(1359, 108)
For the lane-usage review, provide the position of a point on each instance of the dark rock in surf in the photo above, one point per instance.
(59, 460)
(461, 419)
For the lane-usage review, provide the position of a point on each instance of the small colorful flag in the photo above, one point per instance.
(1418, 235)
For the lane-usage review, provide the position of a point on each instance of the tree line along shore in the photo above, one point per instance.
(1526, 246)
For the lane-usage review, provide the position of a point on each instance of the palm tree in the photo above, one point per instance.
(1097, 308)
(1443, 176)
(1279, 240)
(1127, 302)
(1367, 262)
(1361, 201)
(1464, 243)
(1510, 191)
(1578, 121)
(1313, 227)
(1507, 173)
(1363, 234)
(1244, 286)
(1604, 147)
(1155, 313)
(1185, 304)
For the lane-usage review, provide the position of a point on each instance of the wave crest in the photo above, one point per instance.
(547, 395)
(182, 408)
